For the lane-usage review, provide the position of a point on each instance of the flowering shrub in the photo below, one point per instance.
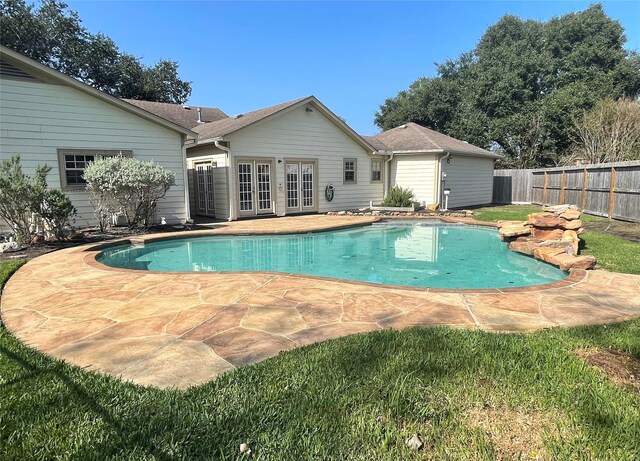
(128, 186)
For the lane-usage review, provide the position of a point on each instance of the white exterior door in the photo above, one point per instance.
(204, 188)
(254, 187)
(300, 180)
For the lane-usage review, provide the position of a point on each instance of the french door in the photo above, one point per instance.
(204, 188)
(254, 187)
(300, 179)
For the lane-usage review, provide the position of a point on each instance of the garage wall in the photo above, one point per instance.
(470, 180)
(416, 172)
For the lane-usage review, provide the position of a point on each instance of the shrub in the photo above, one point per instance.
(55, 210)
(127, 185)
(398, 196)
(25, 200)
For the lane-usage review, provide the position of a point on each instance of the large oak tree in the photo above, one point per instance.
(520, 89)
(53, 35)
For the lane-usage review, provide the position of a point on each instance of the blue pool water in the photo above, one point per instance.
(444, 256)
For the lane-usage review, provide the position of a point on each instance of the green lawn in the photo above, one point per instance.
(358, 397)
(612, 253)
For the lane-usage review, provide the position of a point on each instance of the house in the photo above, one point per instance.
(438, 168)
(48, 117)
(290, 158)
(282, 160)
(299, 157)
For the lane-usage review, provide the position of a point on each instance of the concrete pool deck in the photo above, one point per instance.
(181, 329)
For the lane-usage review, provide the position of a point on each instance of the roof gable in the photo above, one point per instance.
(216, 130)
(45, 73)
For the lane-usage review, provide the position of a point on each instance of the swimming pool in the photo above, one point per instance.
(442, 256)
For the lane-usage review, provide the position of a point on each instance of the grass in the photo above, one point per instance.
(466, 393)
(613, 253)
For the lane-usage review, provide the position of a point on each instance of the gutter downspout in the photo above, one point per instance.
(226, 150)
(185, 175)
(440, 178)
(387, 175)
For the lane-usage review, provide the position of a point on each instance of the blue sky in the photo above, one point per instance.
(242, 56)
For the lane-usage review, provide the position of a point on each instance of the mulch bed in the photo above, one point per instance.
(90, 235)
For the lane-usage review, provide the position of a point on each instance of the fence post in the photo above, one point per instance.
(585, 181)
(563, 184)
(544, 188)
(612, 191)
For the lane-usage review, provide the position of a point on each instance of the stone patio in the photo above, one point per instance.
(182, 329)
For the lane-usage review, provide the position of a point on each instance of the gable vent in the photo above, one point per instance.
(8, 70)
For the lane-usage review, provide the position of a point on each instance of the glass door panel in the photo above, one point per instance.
(245, 187)
(293, 186)
(264, 187)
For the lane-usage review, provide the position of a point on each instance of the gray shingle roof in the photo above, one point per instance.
(231, 124)
(414, 137)
(178, 114)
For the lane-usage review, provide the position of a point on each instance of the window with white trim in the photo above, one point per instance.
(350, 167)
(376, 170)
(72, 163)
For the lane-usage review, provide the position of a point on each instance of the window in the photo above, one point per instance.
(350, 169)
(73, 162)
(376, 170)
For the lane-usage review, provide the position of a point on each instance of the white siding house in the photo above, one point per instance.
(280, 161)
(431, 163)
(47, 117)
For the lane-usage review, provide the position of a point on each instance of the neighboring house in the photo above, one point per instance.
(48, 117)
(430, 163)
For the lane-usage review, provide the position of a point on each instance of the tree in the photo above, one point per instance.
(608, 133)
(519, 90)
(53, 35)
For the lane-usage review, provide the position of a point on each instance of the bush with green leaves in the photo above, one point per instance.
(127, 186)
(399, 197)
(55, 210)
(25, 201)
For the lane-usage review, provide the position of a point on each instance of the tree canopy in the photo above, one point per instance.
(522, 86)
(53, 35)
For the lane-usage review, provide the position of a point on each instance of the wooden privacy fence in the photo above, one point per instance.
(605, 189)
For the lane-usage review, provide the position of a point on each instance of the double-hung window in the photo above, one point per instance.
(350, 170)
(376, 170)
(72, 163)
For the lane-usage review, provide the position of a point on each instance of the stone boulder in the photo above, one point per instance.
(571, 214)
(10, 247)
(547, 253)
(567, 262)
(551, 236)
(546, 234)
(524, 245)
(510, 229)
(545, 220)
